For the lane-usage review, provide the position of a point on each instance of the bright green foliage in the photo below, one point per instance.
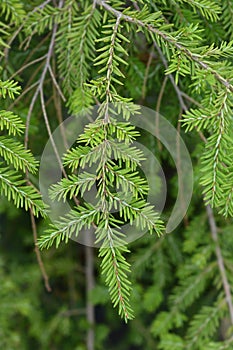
(116, 163)
(75, 52)
(176, 58)
(11, 122)
(12, 10)
(207, 8)
(14, 155)
(9, 88)
(41, 19)
(4, 33)
(103, 141)
(13, 186)
(12, 152)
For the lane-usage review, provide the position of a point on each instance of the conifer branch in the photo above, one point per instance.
(180, 94)
(114, 268)
(39, 89)
(169, 39)
(42, 78)
(210, 315)
(47, 124)
(16, 33)
(110, 68)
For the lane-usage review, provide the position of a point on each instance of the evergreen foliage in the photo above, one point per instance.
(13, 153)
(175, 57)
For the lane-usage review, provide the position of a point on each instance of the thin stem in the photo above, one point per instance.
(176, 88)
(190, 99)
(135, 5)
(58, 108)
(146, 75)
(34, 74)
(37, 48)
(28, 65)
(38, 254)
(29, 88)
(110, 67)
(50, 132)
(40, 90)
(56, 84)
(161, 93)
(90, 283)
(220, 260)
(179, 169)
(42, 78)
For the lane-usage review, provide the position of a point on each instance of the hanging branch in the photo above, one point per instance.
(42, 78)
(16, 33)
(39, 89)
(221, 266)
(38, 254)
(191, 56)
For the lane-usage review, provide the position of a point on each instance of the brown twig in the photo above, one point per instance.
(220, 260)
(136, 6)
(56, 84)
(58, 107)
(40, 90)
(190, 99)
(44, 112)
(34, 74)
(90, 283)
(179, 169)
(183, 108)
(38, 254)
(29, 88)
(159, 100)
(42, 78)
(151, 55)
(28, 65)
(36, 48)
